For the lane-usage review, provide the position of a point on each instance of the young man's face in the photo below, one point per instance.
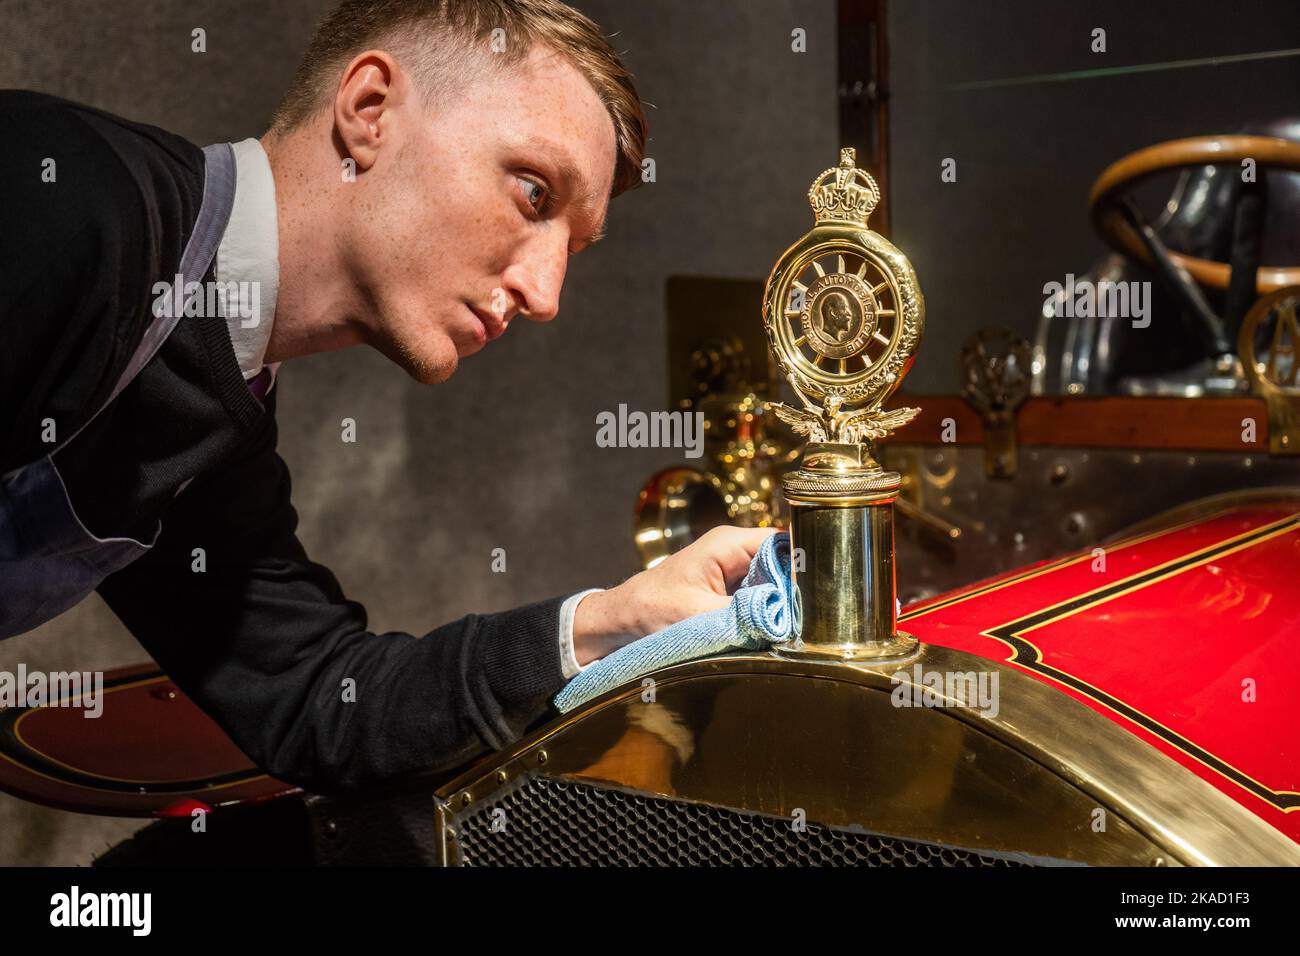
(474, 219)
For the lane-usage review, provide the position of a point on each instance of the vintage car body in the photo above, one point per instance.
(1143, 715)
(1169, 641)
(1121, 699)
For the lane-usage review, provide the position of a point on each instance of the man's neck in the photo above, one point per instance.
(317, 307)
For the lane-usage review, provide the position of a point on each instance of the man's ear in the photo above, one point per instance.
(372, 87)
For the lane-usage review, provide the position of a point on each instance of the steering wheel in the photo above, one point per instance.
(1111, 212)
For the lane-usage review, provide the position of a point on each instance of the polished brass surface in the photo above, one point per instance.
(738, 483)
(843, 583)
(1032, 779)
(843, 313)
(745, 457)
(997, 365)
(839, 474)
(676, 506)
(1274, 371)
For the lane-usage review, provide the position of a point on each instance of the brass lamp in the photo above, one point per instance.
(843, 313)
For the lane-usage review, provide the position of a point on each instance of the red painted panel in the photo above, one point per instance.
(1188, 637)
(151, 752)
(149, 732)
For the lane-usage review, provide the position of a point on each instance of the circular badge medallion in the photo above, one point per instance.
(842, 307)
(839, 315)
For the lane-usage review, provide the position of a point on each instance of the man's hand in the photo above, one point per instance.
(701, 577)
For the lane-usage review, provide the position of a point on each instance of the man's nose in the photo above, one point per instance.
(536, 278)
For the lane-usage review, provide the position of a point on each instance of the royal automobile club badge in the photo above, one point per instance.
(843, 313)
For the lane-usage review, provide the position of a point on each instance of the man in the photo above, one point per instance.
(430, 171)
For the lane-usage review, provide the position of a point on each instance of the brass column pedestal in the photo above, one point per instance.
(842, 547)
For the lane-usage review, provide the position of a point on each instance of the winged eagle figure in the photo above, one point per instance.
(832, 425)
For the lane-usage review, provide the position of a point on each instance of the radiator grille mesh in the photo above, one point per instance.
(550, 822)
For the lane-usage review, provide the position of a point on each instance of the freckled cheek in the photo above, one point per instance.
(459, 239)
(487, 237)
(428, 243)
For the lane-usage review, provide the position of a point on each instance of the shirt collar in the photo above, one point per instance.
(249, 253)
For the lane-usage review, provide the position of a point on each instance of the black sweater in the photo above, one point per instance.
(264, 639)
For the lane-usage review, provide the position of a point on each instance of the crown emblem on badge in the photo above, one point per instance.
(851, 198)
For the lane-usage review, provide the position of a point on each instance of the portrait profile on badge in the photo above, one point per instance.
(836, 317)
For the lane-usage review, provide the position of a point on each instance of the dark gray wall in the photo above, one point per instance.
(504, 454)
(1016, 218)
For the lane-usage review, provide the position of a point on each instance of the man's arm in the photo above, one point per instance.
(266, 643)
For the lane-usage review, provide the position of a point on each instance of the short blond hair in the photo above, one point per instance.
(443, 37)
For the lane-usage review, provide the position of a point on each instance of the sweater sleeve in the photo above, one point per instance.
(265, 642)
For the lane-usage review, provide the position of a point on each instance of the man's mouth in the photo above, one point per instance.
(493, 327)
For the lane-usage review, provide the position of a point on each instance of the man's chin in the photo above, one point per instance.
(430, 374)
(421, 365)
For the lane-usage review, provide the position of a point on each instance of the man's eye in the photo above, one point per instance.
(534, 192)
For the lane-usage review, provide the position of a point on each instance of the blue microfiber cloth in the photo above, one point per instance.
(758, 616)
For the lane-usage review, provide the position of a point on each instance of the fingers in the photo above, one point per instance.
(733, 549)
(748, 540)
(699, 578)
(751, 539)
